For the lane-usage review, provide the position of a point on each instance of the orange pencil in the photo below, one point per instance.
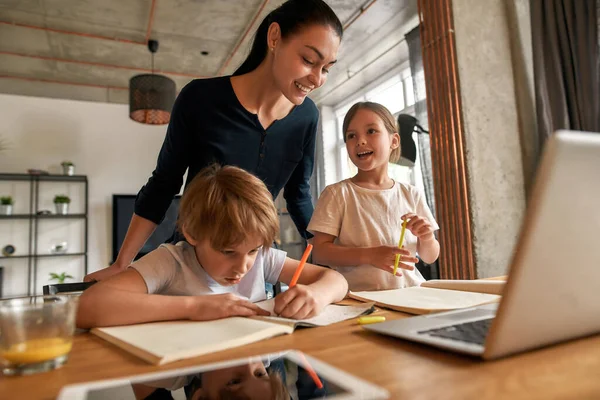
(301, 265)
(311, 372)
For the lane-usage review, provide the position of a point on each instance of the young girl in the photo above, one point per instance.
(357, 222)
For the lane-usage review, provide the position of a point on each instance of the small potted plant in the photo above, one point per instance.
(6, 205)
(60, 278)
(68, 168)
(61, 202)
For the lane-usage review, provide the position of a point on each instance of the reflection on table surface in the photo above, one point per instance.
(279, 378)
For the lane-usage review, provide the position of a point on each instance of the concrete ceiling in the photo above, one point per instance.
(89, 49)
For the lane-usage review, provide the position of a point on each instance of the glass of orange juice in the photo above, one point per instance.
(36, 333)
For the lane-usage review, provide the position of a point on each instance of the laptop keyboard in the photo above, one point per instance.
(471, 332)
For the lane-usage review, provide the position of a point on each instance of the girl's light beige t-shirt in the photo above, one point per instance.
(360, 217)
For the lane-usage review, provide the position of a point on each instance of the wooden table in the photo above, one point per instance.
(409, 371)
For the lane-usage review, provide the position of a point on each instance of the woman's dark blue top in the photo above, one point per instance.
(209, 124)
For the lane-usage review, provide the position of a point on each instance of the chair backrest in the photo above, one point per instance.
(66, 287)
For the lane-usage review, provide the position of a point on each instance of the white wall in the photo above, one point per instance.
(117, 154)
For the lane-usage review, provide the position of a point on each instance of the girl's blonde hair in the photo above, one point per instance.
(386, 116)
(226, 205)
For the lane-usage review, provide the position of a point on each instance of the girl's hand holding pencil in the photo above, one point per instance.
(384, 258)
(419, 226)
(427, 245)
(400, 244)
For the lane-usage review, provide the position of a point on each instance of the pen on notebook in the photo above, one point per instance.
(370, 319)
(400, 243)
(301, 265)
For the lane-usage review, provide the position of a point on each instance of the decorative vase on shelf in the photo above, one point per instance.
(68, 168)
(61, 202)
(6, 205)
(6, 209)
(62, 208)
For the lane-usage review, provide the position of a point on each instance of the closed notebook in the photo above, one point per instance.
(435, 296)
(164, 342)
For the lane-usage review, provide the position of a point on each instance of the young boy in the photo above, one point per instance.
(229, 221)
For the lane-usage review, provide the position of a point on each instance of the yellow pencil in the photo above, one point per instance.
(400, 245)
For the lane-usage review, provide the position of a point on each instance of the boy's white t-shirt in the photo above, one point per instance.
(360, 217)
(174, 270)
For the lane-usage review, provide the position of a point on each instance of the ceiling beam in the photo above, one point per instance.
(103, 65)
(361, 11)
(91, 35)
(24, 78)
(65, 32)
(242, 38)
(150, 21)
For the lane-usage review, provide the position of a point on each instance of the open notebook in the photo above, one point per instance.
(435, 296)
(164, 342)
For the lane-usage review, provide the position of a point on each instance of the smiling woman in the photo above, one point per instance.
(259, 119)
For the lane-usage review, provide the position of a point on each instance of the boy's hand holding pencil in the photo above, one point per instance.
(298, 302)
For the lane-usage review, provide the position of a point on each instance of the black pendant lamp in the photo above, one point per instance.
(151, 96)
(407, 124)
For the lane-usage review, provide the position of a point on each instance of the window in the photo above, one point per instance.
(409, 91)
(390, 94)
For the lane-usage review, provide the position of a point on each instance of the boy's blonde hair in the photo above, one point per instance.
(226, 205)
(279, 390)
(386, 116)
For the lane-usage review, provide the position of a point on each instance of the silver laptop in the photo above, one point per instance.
(553, 289)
